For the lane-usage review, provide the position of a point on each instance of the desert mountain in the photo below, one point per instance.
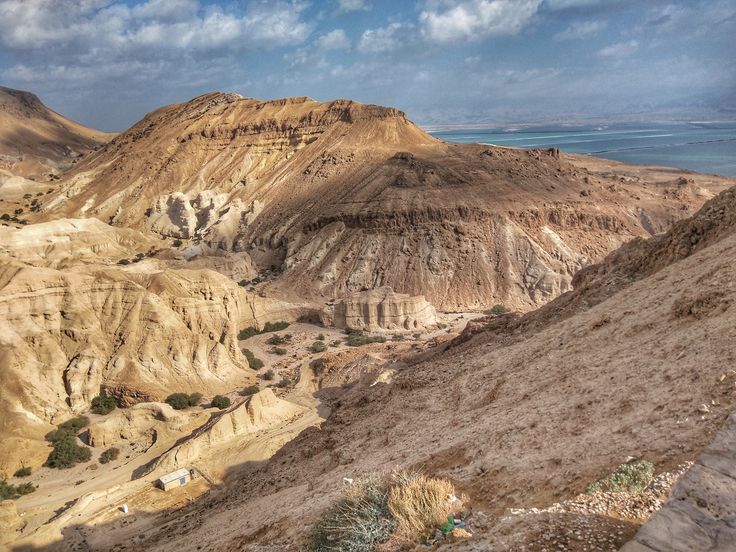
(36, 141)
(341, 197)
(522, 419)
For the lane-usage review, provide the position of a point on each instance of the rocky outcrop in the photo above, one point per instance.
(699, 514)
(64, 242)
(382, 309)
(134, 423)
(262, 412)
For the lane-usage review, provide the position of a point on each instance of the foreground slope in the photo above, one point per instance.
(36, 141)
(341, 197)
(524, 413)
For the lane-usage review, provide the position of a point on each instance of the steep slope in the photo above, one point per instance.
(140, 333)
(343, 197)
(525, 421)
(36, 141)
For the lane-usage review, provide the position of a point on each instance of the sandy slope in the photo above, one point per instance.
(36, 141)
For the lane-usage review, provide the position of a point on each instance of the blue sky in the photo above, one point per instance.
(107, 62)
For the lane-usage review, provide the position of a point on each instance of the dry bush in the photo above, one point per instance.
(419, 504)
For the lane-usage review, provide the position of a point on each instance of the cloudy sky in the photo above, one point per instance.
(107, 62)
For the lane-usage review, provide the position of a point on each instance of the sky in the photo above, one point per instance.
(106, 63)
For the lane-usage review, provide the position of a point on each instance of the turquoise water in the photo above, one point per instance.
(702, 147)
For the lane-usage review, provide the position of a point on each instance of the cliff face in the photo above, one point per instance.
(341, 197)
(382, 309)
(65, 336)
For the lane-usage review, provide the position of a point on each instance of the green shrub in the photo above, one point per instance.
(253, 362)
(220, 401)
(250, 390)
(318, 347)
(70, 428)
(268, 327)
(12, 492)
(277, 339)
(359, 339)
(497, 309)
(321, 337)
(109, 455)
(336, 343)
(247, 333)
(5, 216)
(195, 399)
(285, 382)
(104, 404)
(628, 478)
(178, 401)
(268, 375)
(176, 243)
(66, 453)
(23, 472)
(279, 351)
(274, 326)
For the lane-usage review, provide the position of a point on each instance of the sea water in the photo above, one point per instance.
(700, 146)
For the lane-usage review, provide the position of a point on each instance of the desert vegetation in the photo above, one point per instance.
(627, 478)
(248, 391)
(23, 472)
(220, 401)
(104, 404)
(268, 327)
(356, 338)
(109, 455)
(67, 451)
(318, 347)
(180, 401)
(254, 362)
(12, 492)
(405, 508)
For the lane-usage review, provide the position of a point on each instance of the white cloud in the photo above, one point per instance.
(384, 39)
(619, 50)
(581, 29)
(96, 25)
(476, 19)
(353, 5)
(334, 40)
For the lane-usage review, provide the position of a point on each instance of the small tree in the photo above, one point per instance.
(268, 375)
(279, 351)
(109, 455)
(498, 309)
(23, 472)
(195, 399)
(66, 453)
(253, 362)
(178, 401)
(318, 347)
(250, 390)
(104, 404)
(220, 401)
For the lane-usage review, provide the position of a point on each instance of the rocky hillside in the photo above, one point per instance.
(524, 418)
(36, 141)
(139, 333)
(341, 197)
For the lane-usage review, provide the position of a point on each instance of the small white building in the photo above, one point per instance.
(175, 479)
